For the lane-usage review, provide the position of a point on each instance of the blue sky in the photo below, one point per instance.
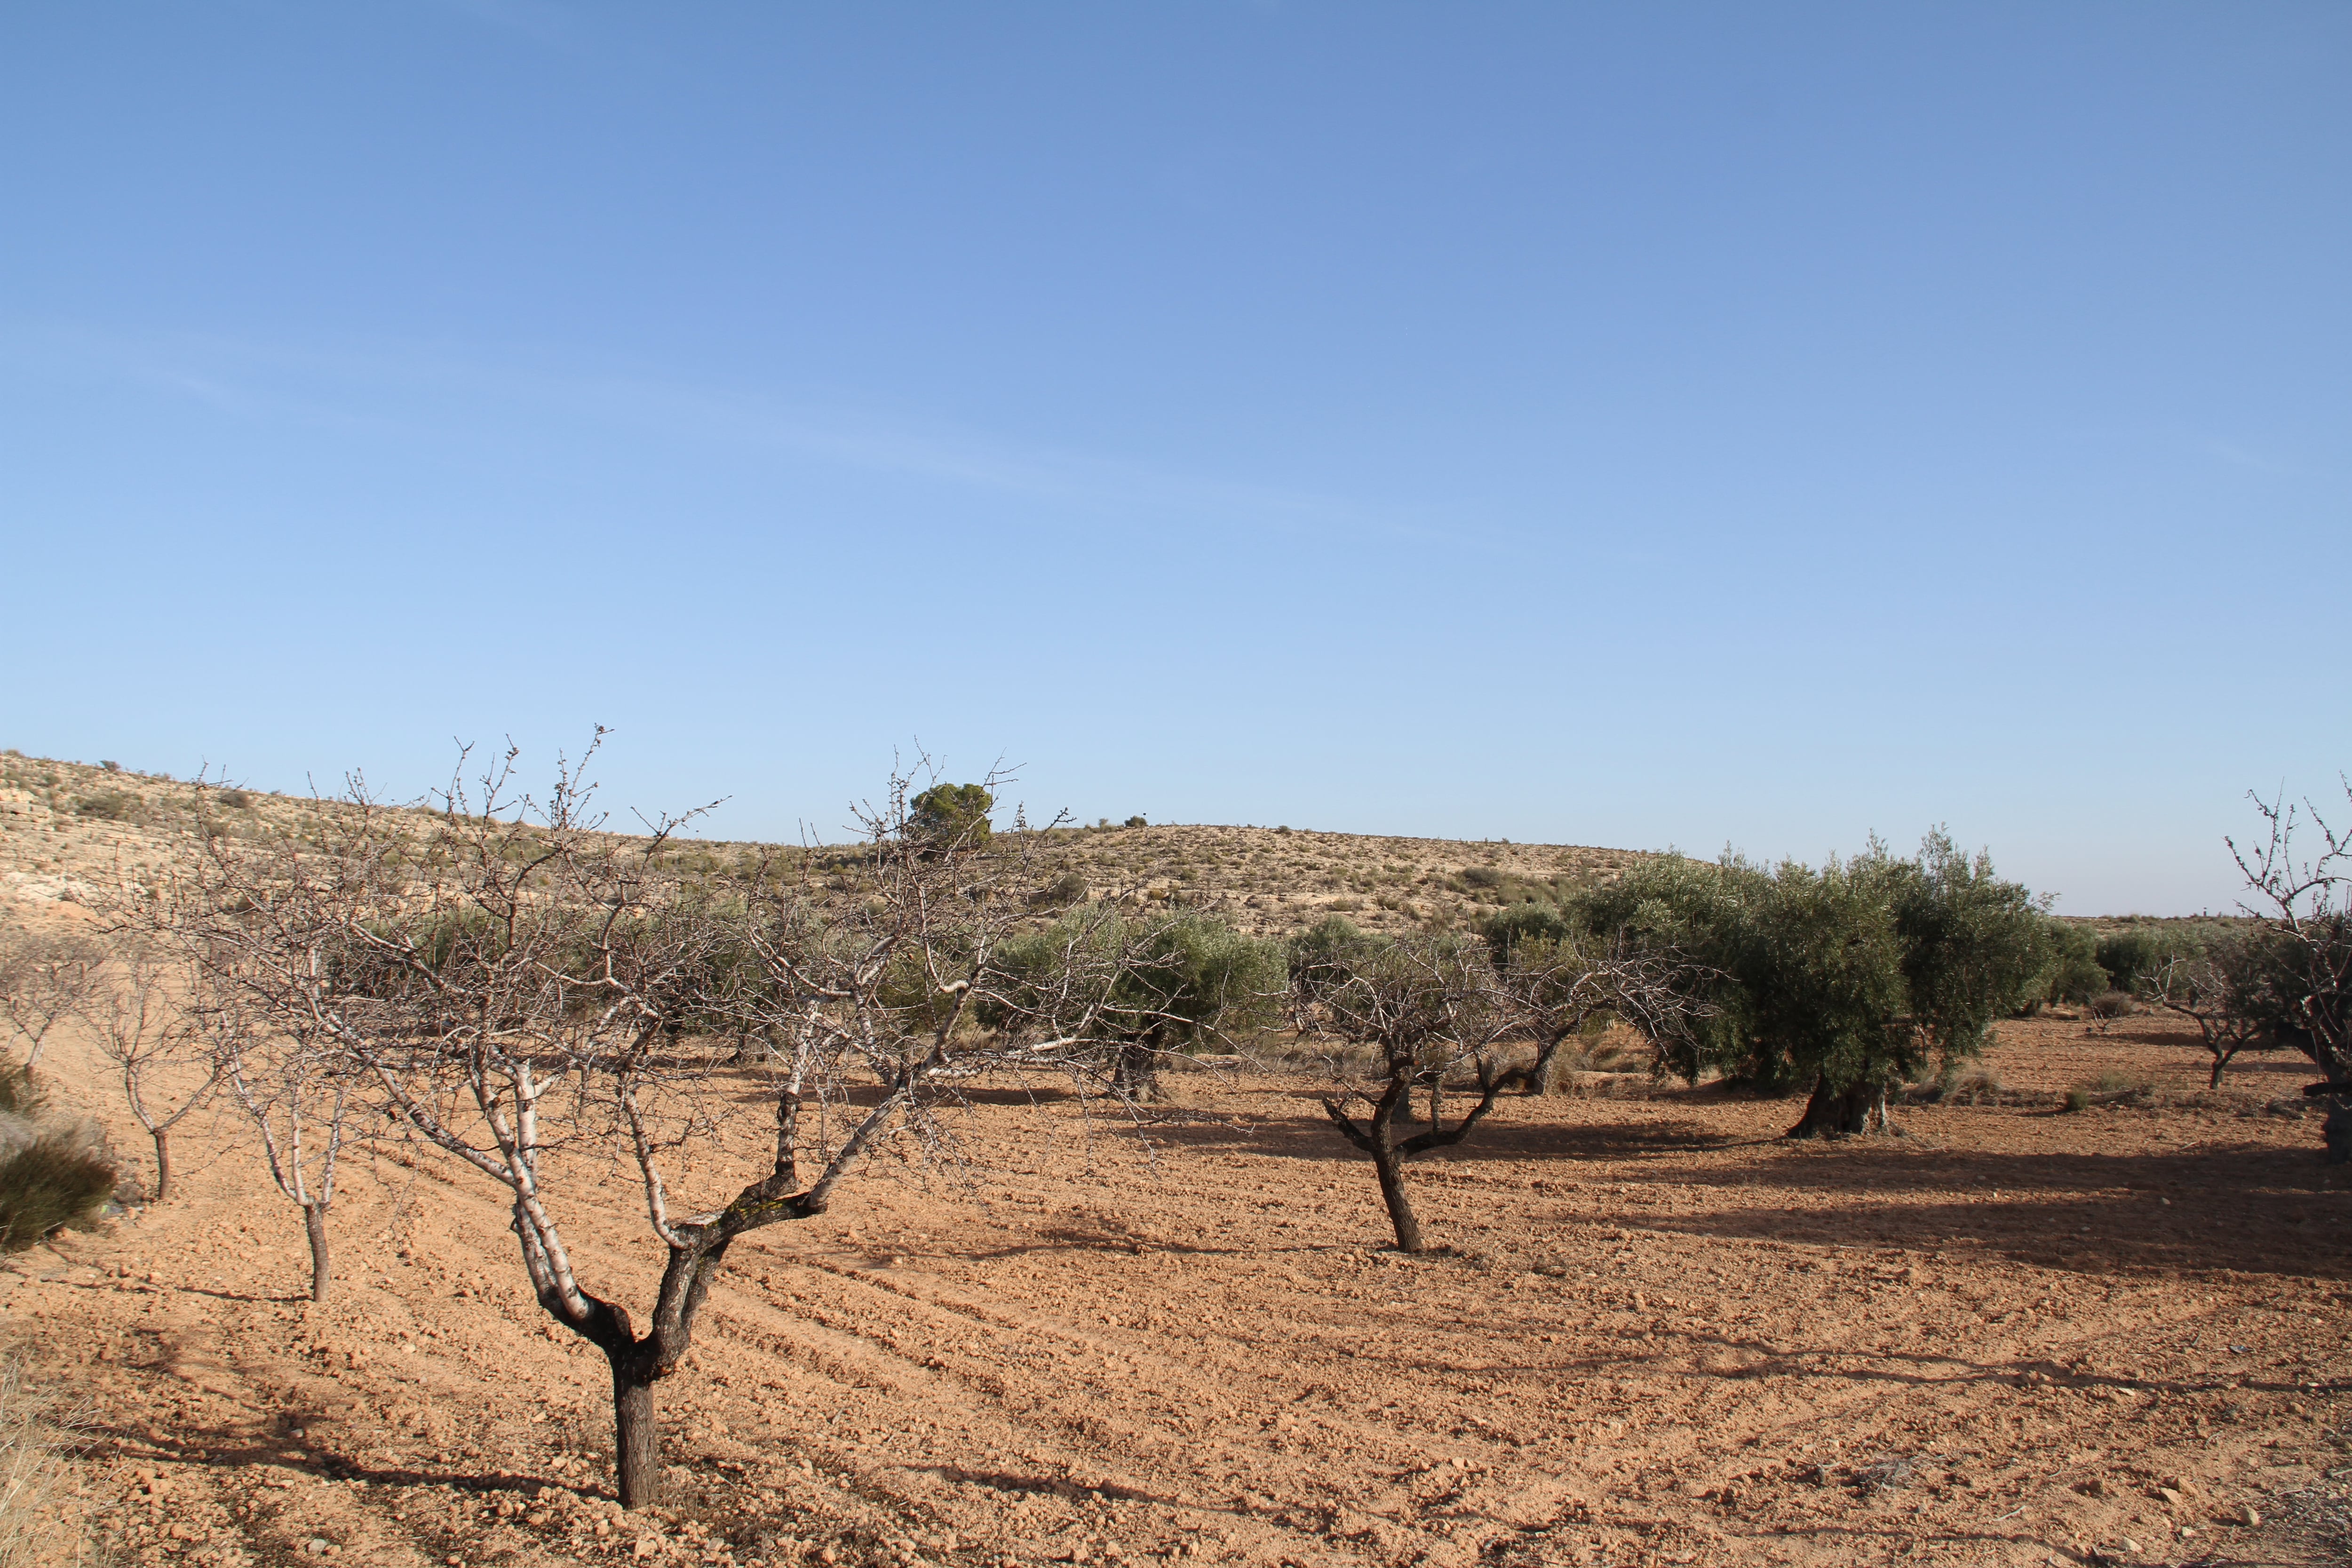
(1640, 425)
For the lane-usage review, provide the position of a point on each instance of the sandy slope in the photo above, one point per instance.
(2011, 1338)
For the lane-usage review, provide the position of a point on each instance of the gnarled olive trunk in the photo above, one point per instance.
(1841, 1112)
(1135, 1072)
(2336, 1131)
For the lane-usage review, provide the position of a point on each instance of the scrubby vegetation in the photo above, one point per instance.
(54, 1172)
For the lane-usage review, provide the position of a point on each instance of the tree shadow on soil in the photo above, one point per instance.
(1642, 1350)
(2078, 1235)
(2213, 1207)
(1312, 1137)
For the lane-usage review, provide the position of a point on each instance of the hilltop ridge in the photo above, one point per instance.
(67, 826)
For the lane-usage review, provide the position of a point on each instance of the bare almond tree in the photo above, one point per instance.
(537, 997)
(2302, 902)
(1431, 1008)
(297, 1090)
(2222, 992)
(1562, 986)
(45, 978)
(1438, 1011)
(158, 1051)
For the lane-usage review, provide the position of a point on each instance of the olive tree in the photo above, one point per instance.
(1147, 987)
(1846, 978)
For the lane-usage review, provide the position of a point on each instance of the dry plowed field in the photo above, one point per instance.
(1662, 1335)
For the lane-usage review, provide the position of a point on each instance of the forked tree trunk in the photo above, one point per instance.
(1400, 1202)
(636, 1436)
(1838, 1112)
(314, 1223)
(163, 1164)
(638, 1364)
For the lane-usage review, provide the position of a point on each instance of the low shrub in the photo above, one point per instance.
(2076, 1100)
(1521, 925)
(2107, 1006)
(1980, 1087)
(108, 805)
(20, 1098)
(55, 1180)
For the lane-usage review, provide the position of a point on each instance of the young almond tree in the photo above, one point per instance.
(46, 977)
(297, 1090)
(158, 1050)
(1430, 1008)
(534, 996)
(2224, 990)
(1564, 980)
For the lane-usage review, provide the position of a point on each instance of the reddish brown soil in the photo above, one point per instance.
(2012, 1336)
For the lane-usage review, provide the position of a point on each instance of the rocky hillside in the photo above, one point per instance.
(72, 825)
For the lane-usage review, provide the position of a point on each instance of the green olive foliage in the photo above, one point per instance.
(2072, 972)
(1846, 976)
(1162, 983)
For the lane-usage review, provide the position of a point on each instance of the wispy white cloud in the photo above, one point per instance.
(420, 389)
(428, 392)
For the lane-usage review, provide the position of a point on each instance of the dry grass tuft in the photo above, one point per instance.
(38, 1438)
